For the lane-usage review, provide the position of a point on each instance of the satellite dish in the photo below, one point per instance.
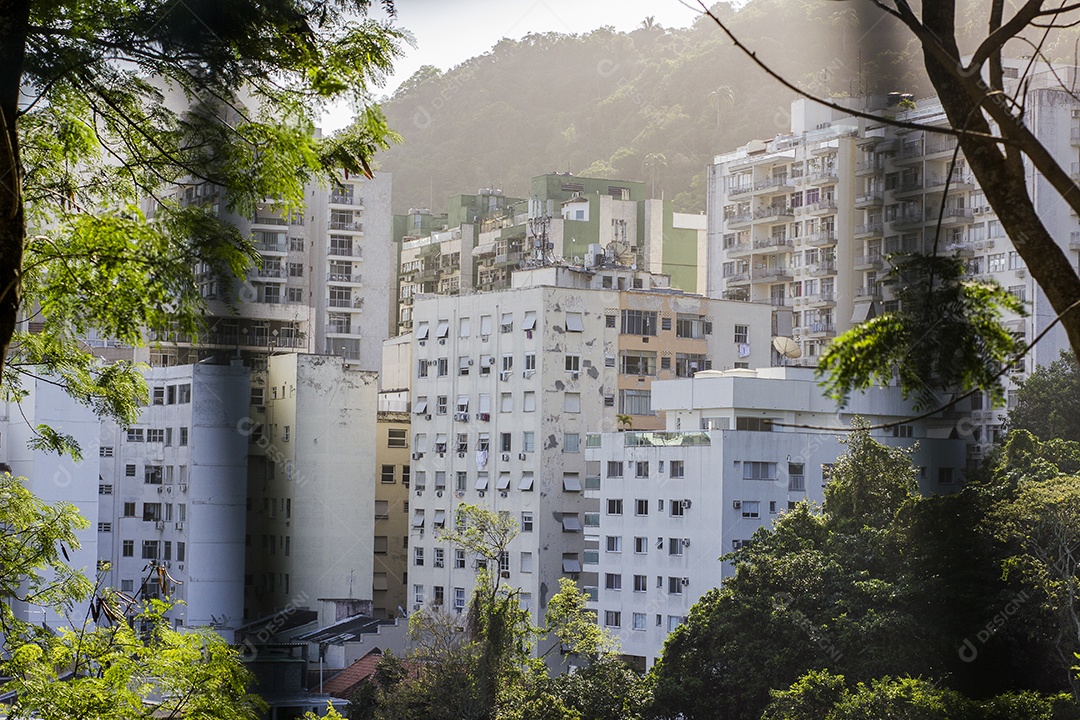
(787, 347)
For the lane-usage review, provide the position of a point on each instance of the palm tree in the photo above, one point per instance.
(652, 161)
(721, 94)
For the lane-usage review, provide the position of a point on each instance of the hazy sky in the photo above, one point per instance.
(449, 32)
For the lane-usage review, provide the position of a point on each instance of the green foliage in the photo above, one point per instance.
(1048, 403)
(568, 620)
(824, 608)
(102, 669)
(947, 334)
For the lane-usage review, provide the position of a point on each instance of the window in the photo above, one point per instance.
(902, 431)
(639, 621)
(418, 556)
(677, 468)
(440, 405)
(382, 509)
(742, 334)
(526, 562)
(754, 424)
(506, 322)
(128, 548)
(674, 586)
(754, 470)
(995, 262)
(641, 469)
(614, 543)
(641, 584)
(692, 326)
(443, 367)
(103, 527)
(152, 475)
(463, 327)
(397, 438)
(105, 451)
(418, 594)
(614, 468)
(528, 441)
(526, 521)
(612, 581)
(574, 322)
(422, 368)
(638, 322)
(530, 362)
(183, 393)
(751, 508)
(572, 402)
(149, 549)
(641, 507)
(614, 506)
(635, 402)
(158, 396)
(641, 545)
(570, 522)
(464, 361)
(675, 546)
(105, 489)
(529, 402)
(183, 437)
(129, 509)
(440, 557)
(612, 618)
(673, 622)
(459, 559)
(386, 474)
(572, 363)
(134, 435)
(459, 599)
(676, 508)
(505, 441)
(507, 363)
(637, 362)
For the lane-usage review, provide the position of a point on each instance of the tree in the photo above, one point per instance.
(104, 104)
(121, 659)
(1048, 402)
(992, 129)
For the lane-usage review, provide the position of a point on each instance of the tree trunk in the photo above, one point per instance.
(14, 21)
(1001, 175)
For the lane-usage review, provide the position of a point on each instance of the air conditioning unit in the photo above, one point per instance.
(506, 457)
(160, 524)
(461, 454)
(179, 526)
(977, 211)
(438, 493)
(459, 494)
(521, 456)
(168, 488)
(417, 455)
(183, 487)
(687, 503)
(502, 493)
(686, 542)
(505, 573)
(442, 341)
(484, 338)
(504, 375)
(261, 409)
(484, 417)
(490, 360)
(422, 343)
(575, 375)
(480, 493)
(461, 417)
(470, 362)
(160, 489)
(685, 581)
(736, 504)
(179, 566)
(428, 416)
(419, 492)
(1021, 272)
(416, 606)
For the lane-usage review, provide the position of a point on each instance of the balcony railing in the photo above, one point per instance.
(355, 226)
(270, 273)
(341, 199)
(823, 268)
(771, 272)
(773, 242)
(873, 228)
(259, 220)
(796, 483)
(666, 439)
(868, 292)
(343, 277)
(827, 237)
(342, 251)
(821, 298)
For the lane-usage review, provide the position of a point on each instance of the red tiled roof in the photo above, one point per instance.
(344, 684)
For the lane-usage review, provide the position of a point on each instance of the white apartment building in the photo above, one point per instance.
(311, 489)
(808, 220)
(326, 283)
(672, 502)
(172, 493)
(507, 384)
(51, 477)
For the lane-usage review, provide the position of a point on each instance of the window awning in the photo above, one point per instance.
(570, 523)
(418, 519)
(526, 482)
(504, 481)
(571, 565)
(422, 330)
(440, 517)
(464, 362)
(571, 483)
(861, 312)
(482, 481)
(483, 249)
(574, 323)
(421, 407)
(463, 400)
(444, 328)
(530, 321)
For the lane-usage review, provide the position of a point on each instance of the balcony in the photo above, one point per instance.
(1074, 241)
(796, 483)
(873, 261)
(740, 190)
(774, 244)
(277, 248)
(908, 185)
(821, 329)
(1074, 136)
(868, 293)
(824, 299)
(347, 226)
(873, 198)
(739, 219)
(269, 274)
(872, 228)
(954, 215)
(822, 176)
(771, 273)
(823, 268)
(341, 329)
(350, 200)
(774, 212)
(826, 237)
(348, 278)
(908, 152)
(936, 183)
(271, 221)
(738, 278)
(820, 207)
(776, 182)
(343, 251)
(868, 167)
(908, 220)
(739, 249)
(939, 147)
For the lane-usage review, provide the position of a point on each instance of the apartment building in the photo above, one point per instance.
(489, 236)
(808, 221)
(324, 285)
(391, 532)
(506, 385)
(52, 477)
(671, 502)
(172, 492)
(311, 486)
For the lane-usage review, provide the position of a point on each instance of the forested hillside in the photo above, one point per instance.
(654, 104)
